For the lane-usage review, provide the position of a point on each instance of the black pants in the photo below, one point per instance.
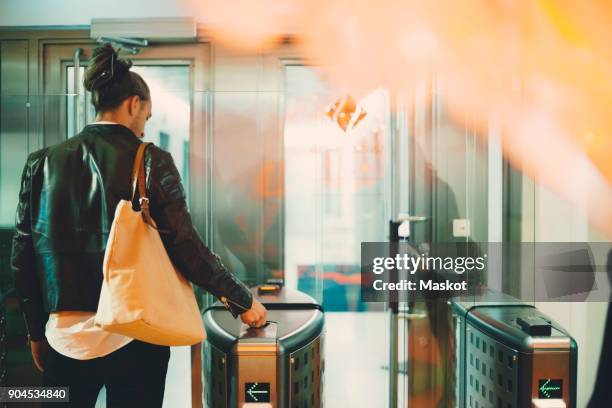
(134, 376)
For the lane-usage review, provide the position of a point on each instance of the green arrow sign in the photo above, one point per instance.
(549, 388)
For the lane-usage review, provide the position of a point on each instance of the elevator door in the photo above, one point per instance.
(176, 75)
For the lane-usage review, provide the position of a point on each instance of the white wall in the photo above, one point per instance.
(79, 12)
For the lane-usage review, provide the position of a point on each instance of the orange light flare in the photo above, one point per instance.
(542, 69)
(362, 45)
(553, 104)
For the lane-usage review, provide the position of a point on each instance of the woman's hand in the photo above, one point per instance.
(256, 316)
(40, 350)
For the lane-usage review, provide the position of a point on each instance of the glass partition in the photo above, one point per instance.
(14, 149)
(442, 195)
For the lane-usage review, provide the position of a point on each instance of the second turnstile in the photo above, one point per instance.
(511, 355)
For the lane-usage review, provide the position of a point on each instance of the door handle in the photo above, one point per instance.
(411, 218)
(404, 219)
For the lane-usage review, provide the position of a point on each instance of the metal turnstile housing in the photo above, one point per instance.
(278, 366)
(499, 364)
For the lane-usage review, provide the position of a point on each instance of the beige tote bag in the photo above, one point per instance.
(143, 296)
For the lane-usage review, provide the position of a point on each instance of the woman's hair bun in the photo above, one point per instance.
(110, 80)
(105, 67)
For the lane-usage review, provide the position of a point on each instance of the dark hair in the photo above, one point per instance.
(110, 80)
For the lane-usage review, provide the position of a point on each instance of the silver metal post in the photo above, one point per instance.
(77, 80)
(393, 358)
(393, 306)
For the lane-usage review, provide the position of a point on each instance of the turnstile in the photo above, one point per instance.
(510, 355)
(278, 366)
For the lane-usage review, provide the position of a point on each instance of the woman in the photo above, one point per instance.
(67, 201)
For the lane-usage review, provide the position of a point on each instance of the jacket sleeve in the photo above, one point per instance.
(23, 265)
(185, 248)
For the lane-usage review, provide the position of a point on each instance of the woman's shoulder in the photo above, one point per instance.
(162, 172)
(36, 156)
(157, 157)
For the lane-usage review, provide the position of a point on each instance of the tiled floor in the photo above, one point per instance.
(356, 349)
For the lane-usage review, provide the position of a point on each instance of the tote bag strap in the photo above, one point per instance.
(138, 181)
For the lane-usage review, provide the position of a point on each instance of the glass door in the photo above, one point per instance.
(337, 191)
(441, 196)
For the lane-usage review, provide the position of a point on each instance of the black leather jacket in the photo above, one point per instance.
(67, 202)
